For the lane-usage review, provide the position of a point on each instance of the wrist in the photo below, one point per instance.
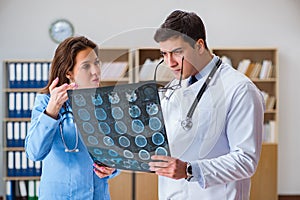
(189, 171)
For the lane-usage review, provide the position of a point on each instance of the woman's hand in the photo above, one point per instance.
(58, 96)
(103, 171)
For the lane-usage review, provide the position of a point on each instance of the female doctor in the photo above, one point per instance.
(68, 171)
(214, 125)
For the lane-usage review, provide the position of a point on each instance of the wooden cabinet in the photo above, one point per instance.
(264, 181)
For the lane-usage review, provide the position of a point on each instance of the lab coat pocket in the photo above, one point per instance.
(207, 124)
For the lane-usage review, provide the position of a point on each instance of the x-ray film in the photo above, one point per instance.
(122, 126)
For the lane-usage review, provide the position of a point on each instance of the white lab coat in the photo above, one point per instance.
(224, 143)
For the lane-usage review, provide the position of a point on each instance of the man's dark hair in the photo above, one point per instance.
(187, 25)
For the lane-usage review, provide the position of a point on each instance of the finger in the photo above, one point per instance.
(53, 84)
(162, 158)
(72, 86)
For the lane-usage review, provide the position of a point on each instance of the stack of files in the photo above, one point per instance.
(20, 104)
(33, 190)
(22, 190)
(16, 133)
(28, 74)
(148, 69)
(269, 133)
(253, 70)
(19, 165)
(266, 69)
(243, 65)
(270, 100)
(113, 70)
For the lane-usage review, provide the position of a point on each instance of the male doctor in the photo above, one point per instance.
(215, 139)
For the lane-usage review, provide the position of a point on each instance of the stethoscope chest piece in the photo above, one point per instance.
(187, 124)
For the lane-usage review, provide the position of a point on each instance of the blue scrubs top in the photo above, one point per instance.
(65, 175)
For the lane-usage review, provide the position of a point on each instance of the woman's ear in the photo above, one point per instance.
(70, 77)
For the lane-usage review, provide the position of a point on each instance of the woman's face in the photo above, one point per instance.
(86, 72)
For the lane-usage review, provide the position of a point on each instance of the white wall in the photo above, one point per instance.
(230, 23)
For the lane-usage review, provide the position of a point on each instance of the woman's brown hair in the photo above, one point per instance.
(64, 59)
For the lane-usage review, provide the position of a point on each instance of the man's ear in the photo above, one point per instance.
(199, 44)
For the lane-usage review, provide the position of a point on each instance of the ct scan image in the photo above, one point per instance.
(122, 126)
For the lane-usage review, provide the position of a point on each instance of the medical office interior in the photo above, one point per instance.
(239, 30)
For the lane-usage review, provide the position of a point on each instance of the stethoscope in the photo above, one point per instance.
(187, 123)
(66, 115)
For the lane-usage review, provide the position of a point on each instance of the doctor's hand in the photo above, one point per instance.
(168, 167)
(58, 96)
(102, 171)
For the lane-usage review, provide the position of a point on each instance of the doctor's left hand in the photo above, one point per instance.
(102, 171)
(168, 167)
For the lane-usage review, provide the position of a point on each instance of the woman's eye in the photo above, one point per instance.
(85, 66)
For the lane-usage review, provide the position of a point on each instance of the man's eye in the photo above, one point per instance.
(97, 63)
(163, 53)
(177, 52)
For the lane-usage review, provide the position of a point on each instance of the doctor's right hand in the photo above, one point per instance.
(168, 167)
(58, 96)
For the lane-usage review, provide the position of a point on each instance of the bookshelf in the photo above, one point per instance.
(117, 65)
(120, 62)
(264, 181)
(21, 80)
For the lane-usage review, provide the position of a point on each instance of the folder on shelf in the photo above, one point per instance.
(32, 75)
(243, 65)
(113, 70)
(148, 69)
(23, 190)
(16, 134)
(22, 133)
(10, 164)
(12, 75)
(19, 75)
(18, 110)
(31, 101)
(25, 103)
(31, 190)
(25, 72)
(9, 135)
(11, 104)
(24, 167)
(38, 167)
(37, 186)
(30, 167)
(18, 171)
(266, 69)
(38, 75)
(9, 190)
(122, 125)
(45, 73)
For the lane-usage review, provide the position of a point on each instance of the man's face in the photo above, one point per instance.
(173, 50)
